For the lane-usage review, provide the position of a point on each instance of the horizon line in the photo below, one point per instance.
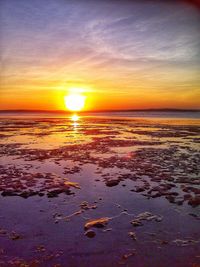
(103, 110)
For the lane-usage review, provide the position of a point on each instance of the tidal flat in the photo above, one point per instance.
(99, 192)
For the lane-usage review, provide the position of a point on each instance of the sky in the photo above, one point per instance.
(119, 54)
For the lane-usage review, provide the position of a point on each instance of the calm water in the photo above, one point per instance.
(132, 114)
(139, 171)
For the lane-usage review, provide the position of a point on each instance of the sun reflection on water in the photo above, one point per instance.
(75, 118)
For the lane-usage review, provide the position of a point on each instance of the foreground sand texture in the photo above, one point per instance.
(99, 192)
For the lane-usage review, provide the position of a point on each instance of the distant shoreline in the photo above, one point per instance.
(97, 111)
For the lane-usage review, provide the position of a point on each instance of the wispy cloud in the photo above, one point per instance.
(108, 44)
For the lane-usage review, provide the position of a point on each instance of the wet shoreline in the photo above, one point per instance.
(134, 182)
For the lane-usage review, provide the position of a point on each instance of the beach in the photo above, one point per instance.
(100, 190)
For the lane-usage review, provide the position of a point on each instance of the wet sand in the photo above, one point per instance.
(99, 192)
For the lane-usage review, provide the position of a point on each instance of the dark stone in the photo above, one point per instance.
(90, 233)
(112, 183)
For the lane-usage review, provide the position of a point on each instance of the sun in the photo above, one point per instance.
(74, 102)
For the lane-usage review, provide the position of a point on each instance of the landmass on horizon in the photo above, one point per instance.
(95, 111)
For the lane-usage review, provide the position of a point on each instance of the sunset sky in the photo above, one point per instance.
(119, 54)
